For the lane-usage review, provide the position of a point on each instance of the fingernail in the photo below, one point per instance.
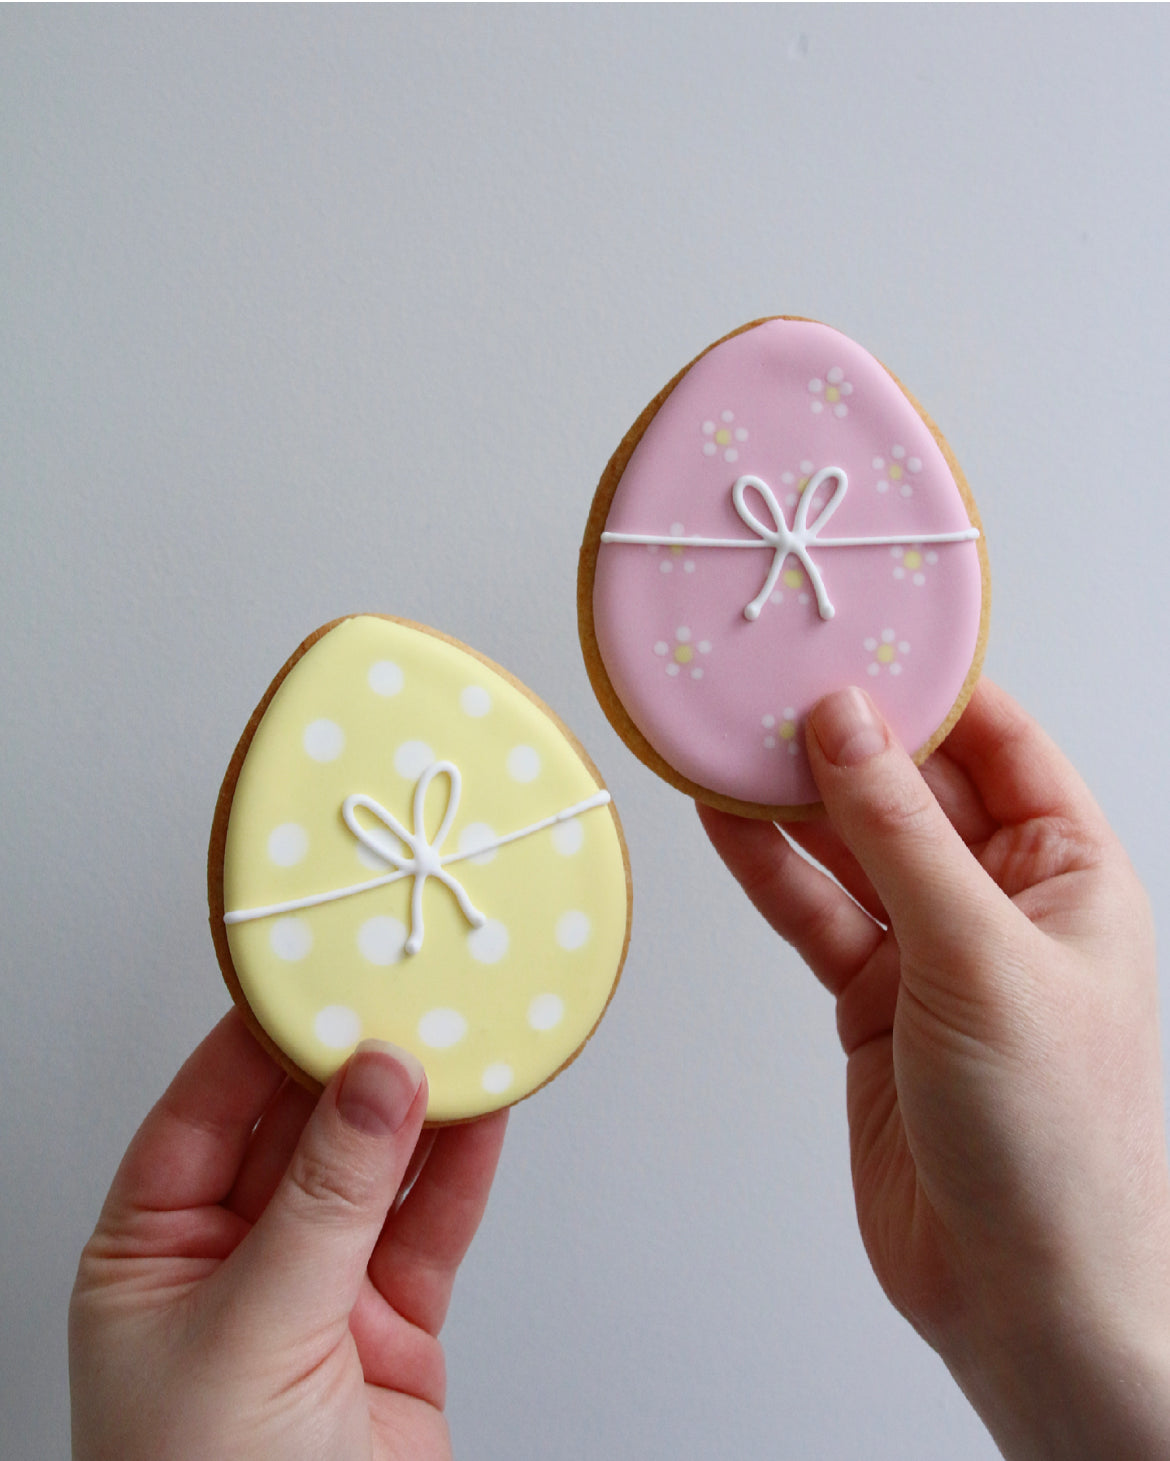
(379, 1087)
(847, 727)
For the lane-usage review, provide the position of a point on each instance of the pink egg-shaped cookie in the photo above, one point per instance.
(781, 521)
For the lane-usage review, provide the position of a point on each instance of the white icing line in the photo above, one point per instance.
(423, 861)
(794, 541)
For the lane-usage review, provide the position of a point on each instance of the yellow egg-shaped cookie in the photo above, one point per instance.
(410, 846)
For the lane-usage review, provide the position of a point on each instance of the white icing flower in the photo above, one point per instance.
(888, 652)
(673, 554)
(680, 657)
(829, 394)
(782, 733)
(723, 437)
(896, 471)
(911, 562)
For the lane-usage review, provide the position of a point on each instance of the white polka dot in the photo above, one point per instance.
(728, 415)
(412, 758)
(573, 930)
(442, 1028)
(672, 669)
(682, 634)
(475, 701)
(324, 740)
(676, 530)
(291, 939)
(709, 448)
(287, 844)
(708, 428)
(473, 839)
(488, 944)
(497, 1078)
(385, 678)
(338, 1026)
(546, 1011)
(381, 939)
(523, 763)
(568, 837)
(661, 647)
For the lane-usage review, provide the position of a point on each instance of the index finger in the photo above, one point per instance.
(189, 1149)
(1017, 770)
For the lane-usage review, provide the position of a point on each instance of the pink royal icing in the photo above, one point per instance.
(786, 525)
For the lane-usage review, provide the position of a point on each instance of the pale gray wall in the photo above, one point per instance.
(317, 310)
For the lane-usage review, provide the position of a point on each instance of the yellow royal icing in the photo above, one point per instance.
(519, 944)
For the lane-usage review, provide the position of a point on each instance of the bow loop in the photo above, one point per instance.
(368, 839)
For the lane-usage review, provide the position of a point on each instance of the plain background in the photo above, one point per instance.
(308, 311)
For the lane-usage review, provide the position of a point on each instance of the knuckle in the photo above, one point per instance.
(319, 1189)
(903, 808)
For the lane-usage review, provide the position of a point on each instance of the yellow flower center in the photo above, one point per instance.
(683, 654)
(832, 394)
(793, 577)
(676, 550)
(787, 731)
(723, 436)
(886, 653)
(912, 558)
(895, 471)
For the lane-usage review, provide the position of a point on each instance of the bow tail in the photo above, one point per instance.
(753, 609)
(468, 908)
(824, 605)
(415, 938)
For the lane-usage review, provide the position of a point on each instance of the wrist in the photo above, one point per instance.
(1073, 1377)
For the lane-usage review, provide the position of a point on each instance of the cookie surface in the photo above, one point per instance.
(410, 846)
(780, 522)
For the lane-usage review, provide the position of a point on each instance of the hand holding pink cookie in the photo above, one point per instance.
(992, 959)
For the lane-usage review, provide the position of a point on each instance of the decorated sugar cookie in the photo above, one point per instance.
(410, 846)
(781, 521)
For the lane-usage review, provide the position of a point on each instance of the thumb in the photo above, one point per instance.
(302, 1265)
(936, 895)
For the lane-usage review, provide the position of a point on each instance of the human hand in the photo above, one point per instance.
(253, 1290)
(991, 954)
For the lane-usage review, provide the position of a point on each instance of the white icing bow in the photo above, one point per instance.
(422, 859)
(794, 541)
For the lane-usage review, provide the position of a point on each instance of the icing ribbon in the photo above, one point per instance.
(795, 541)
(421, 859)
